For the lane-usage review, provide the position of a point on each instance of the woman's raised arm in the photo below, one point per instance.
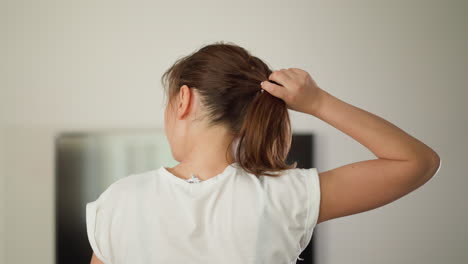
(404, 163)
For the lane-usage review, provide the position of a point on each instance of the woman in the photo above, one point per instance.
(232, 198)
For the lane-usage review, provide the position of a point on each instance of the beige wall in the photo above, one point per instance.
(2, 201)
(79, 65)
(3, 87)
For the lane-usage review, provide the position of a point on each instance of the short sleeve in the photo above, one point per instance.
(312, 181)
(98, 220)
(91, 223)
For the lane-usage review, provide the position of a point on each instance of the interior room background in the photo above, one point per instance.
(96, 65)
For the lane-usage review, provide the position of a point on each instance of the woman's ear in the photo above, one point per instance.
(185, 100)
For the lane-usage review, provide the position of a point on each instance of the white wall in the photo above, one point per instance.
(79, 65)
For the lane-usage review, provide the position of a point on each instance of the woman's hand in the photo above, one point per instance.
(297, 89)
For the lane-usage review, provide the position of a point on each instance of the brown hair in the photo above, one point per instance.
(228, 79)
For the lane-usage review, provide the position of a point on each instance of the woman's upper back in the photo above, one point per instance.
(234, 217)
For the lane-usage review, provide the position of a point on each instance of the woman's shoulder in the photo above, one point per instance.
(126, 187)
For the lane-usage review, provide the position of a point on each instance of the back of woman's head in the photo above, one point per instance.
(228, 78)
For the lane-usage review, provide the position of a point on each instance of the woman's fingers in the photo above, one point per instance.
(274, 89)
(278, 82)
(295, 87)
(281, 77)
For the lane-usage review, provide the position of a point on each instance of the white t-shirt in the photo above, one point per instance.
(234, 217)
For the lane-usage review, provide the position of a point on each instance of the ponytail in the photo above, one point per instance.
(265, 136)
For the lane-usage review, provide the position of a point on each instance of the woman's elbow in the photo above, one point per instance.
(430, 166)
